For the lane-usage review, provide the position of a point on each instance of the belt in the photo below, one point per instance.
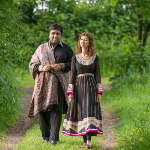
(85, 74)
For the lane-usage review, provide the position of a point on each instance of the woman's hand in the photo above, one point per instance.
(71, 98)
(98, 97)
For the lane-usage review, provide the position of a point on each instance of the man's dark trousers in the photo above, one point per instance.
(50, 122)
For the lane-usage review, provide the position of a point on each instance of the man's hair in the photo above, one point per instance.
(56, 26)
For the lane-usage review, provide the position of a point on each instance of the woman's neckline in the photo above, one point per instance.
(85, 58)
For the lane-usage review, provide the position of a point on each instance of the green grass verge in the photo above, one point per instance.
(24, 78)
(130, 100)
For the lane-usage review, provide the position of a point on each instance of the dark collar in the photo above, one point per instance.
(60, 43)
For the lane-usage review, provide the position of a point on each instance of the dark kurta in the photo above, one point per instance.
(62, 55)
(84, 115)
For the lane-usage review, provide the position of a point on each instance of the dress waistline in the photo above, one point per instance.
(85, 74)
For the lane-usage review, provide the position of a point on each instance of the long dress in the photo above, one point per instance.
(84, 114)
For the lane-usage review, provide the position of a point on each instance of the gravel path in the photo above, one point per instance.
(15, 134)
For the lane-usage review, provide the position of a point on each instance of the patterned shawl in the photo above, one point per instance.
(46, 83)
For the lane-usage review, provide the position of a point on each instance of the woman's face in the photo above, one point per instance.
(84, 42)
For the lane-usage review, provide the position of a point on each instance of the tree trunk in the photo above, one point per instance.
(145, 35)
(139, 27)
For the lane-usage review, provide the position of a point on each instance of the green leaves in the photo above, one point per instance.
(15, 1)
(113, 3)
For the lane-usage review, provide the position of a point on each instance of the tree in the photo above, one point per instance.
(142, 11)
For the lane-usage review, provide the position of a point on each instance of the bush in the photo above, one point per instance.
(131, 57)
(9, 97)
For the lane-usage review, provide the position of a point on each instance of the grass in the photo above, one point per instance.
(130, 100)
(33, 140)
(24, 79)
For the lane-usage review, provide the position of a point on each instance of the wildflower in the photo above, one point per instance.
(136, 133)
(140, 139)
(131, 147)
(133, 130)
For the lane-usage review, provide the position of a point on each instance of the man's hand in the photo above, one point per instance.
(71, 98)
(56, 67)
(98, 97)
(47, 68)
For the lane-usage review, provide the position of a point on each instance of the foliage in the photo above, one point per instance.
(133, 108)
(9, 98)
(14, 53)
(13, 36)
(130, 58)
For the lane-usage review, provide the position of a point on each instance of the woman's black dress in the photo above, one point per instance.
(84, 115)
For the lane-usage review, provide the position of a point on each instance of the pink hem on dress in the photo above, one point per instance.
(99, 92)
(69, 93)
(83, 133)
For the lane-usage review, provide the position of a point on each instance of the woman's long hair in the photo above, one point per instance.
(92, 49)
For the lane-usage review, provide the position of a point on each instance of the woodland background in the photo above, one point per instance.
(121, 34)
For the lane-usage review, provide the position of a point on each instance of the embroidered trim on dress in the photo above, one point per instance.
(85, 74)
(99, 88)
(70, 88)
(77, 126)
(83, 133)
(83, 61)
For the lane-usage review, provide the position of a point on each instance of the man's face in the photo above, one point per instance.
(54, 36)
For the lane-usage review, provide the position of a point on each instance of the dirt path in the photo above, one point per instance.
(14, 135)
(109, 121)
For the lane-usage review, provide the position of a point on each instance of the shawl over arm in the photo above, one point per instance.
(35, 61)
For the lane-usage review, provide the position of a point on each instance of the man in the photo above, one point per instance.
(50, 66)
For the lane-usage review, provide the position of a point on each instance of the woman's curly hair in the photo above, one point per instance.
(91, 49)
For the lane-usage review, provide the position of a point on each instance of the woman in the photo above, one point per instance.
(83, 117)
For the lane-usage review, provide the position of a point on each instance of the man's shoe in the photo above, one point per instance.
(53, 142)
(45, 141)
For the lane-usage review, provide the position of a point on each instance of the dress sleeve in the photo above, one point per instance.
(72, 77)
(97, 76)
